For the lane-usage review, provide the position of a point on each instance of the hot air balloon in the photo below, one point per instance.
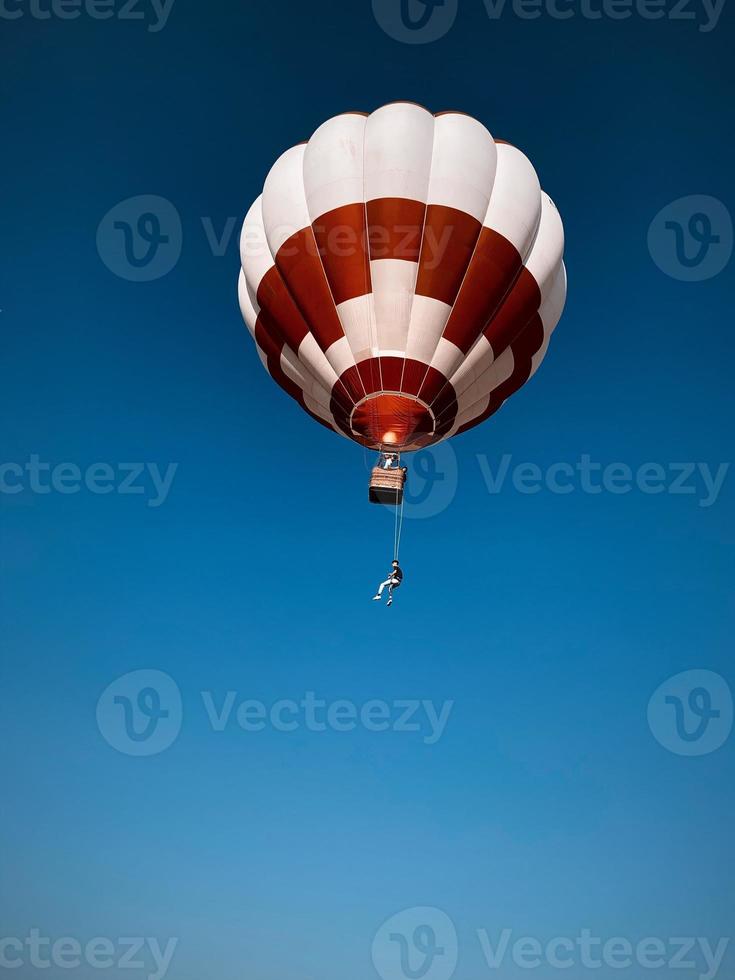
(401, 277)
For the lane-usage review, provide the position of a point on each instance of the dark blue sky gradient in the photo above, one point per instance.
(547, 806)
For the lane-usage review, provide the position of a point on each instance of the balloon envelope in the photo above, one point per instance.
(402, 274)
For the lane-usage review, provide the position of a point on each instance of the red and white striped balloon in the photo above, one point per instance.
(402, 274)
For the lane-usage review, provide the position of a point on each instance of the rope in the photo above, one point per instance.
(398, 526)
(395, 536)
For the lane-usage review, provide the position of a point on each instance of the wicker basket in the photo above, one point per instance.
(386, 486)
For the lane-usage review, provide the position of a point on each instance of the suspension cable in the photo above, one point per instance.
(399, 522)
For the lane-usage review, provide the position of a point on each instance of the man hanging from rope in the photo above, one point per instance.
(395, 577)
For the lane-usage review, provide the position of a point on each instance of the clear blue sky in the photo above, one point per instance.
(547, 806)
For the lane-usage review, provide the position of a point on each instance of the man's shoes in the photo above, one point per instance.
(377, 598)
(389, 602)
